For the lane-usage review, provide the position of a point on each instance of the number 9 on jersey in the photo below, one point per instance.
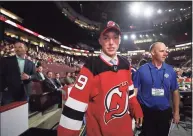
(81, 82)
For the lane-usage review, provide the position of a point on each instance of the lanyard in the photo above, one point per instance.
(162, 82)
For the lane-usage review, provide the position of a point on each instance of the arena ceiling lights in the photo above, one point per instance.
(135, 8)
(185, 44)
(125, 37)
(73, 49)
(11, 15)
(148, 12)
(2, 18)
(140, 9)
(159, 11)
(139, 36)
(133, 36)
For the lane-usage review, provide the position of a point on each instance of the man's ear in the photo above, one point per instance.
(153, 52)
(100, 41)
(120, 40)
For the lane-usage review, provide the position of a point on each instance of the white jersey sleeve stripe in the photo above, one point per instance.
(76, 105)
(131, 87)
(131, 95)
(70, 123)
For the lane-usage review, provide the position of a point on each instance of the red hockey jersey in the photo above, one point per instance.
(106, 94)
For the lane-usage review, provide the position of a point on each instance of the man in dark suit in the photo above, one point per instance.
(36, 62)
(16, 74)
(40, 75)
(57, 80)
(49, 84)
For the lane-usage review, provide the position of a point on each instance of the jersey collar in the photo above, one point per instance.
(107, 58)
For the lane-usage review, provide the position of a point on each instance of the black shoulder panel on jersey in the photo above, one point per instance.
(96, 65)
(125, 63)
(89, 63)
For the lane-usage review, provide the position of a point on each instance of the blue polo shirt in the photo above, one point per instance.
(165, 78)
(133, 70)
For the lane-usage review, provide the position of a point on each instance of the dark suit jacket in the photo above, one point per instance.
(39, 78)
(10, 77)
(58, 84)
(48, 86)
(37, 64)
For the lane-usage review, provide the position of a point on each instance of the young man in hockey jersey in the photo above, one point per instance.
(104, 91)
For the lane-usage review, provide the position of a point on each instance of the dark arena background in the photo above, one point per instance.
(61, 35)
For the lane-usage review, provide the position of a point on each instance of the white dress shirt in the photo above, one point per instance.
(109, 60)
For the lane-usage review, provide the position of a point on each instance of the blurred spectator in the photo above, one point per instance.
(68, 79)
(179, 73)
(57, 80)
(40, 75)
(36, 62)
(73, 76)
(142, 62)
(187, 73)
(49, 84)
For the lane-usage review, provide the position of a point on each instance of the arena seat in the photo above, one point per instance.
(37, 88)
(41, 99)
(41, 102)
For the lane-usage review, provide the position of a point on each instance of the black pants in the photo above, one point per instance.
(58, 98)
(7, 96)
(156, 122)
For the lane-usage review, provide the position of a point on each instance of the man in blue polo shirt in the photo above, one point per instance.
(155, 83)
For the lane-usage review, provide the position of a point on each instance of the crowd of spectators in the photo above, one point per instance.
(49, 57)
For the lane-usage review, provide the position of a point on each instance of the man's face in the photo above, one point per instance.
(20, 49)
(7, 47)
(34, 60)
(29, 58)
(178, 73)
(73, 74)
(50, 75)
(57, 76)
(69, 74)
(160, 52)
(110, 43)
(40, 69)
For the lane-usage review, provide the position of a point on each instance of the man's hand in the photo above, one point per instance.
(176, 118)
(24, 76)
(139, 121)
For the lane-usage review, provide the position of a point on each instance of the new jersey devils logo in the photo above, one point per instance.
(116, 102)
(110, 24)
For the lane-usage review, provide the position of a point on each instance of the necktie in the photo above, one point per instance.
(113, 61)
(58, 81)
(114, 67)
(52, 82)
